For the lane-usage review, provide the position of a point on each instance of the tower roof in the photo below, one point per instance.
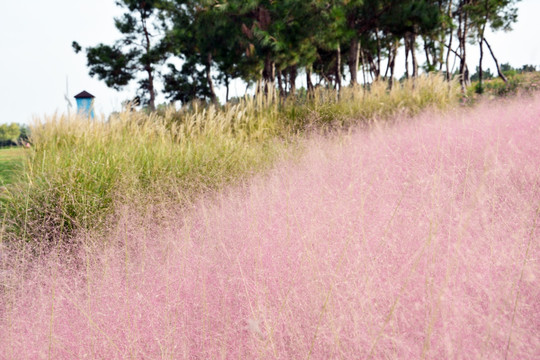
(83, 95)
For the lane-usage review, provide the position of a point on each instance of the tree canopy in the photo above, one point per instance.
(193, 45)
(10, 133)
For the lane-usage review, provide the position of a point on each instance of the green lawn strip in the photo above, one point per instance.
(11, 161)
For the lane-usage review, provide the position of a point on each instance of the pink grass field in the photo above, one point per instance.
(415, 240)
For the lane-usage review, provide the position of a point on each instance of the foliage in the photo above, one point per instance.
(9, 133)
(487, 75)
(510, 70)
(120, 63)
(270, 43)
(187, 84)
(519, 82)
(112, 65)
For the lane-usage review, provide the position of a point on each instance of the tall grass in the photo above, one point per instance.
(377, 103)
(417, 240)
(80, 170)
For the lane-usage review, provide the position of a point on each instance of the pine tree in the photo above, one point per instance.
(135, 52)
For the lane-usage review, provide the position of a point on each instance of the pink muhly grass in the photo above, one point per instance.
(414, 240)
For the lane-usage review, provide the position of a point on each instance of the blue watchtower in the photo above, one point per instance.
(85, 103)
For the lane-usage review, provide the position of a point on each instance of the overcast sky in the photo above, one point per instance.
(37, 58)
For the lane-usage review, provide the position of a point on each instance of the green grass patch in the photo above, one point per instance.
(11, 164)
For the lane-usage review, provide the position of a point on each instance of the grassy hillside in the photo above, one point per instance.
(416, 240)
(79, 172)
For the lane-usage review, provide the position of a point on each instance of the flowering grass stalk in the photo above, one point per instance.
(412, 240)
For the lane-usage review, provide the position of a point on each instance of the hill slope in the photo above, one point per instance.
(418, 239)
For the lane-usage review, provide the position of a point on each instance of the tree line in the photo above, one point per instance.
(13, 134)
(195, 45)
(506, 69)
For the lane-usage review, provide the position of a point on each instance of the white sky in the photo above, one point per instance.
(37, 57)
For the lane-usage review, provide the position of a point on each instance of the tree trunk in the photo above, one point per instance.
(363, 69)
(227, 88)
(269, 74)
(448, 72)
(429, 63)
(499, 71)
(373, 67)
(390, 59)
(338, 68)
(413, 55)
(152, 102)
(292, 80)
(480, 71)
(406, 44)
(148, 66)
(385, 76)
(393, 65)
(309, 83)
(213, 96)
(258, 87)
(462, 34)
(280, 84)
(354, 58)
(378, 53)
